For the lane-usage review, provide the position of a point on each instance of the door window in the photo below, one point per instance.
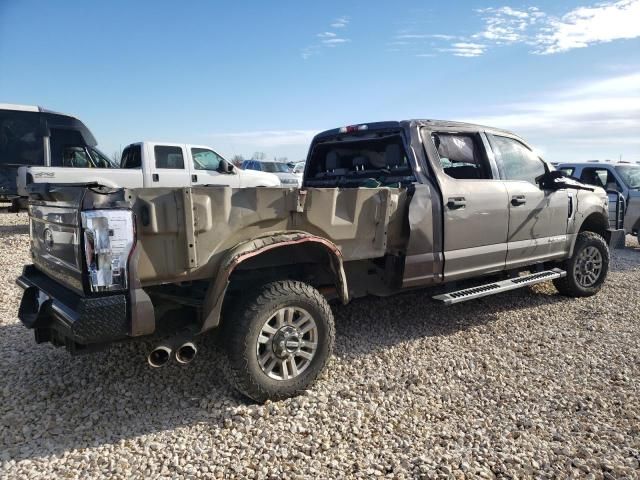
(131, 157)
(599, 177)
(204, 159)
(75, 157)
(515, 161)
(568, 171)
(169, 157)
(461, 155)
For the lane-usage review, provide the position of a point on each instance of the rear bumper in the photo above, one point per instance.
(63, 317)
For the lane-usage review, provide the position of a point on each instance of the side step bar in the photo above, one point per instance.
(498, 287)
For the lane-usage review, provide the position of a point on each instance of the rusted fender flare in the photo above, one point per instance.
(254, 247)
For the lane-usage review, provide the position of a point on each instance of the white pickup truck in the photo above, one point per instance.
(144, 165)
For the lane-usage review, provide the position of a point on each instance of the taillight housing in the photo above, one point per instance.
(109, 237)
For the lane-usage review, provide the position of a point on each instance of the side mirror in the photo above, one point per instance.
(558, 180)
(224, 167)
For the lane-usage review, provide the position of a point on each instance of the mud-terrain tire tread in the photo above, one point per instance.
(567, 285)
(249, 313)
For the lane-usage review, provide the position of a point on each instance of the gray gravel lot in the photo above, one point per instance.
(519, 385)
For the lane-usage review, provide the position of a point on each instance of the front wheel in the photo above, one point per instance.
(278, 340)
(588, 267)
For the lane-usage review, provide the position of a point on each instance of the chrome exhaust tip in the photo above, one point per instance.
(159, 356)
(186, 353)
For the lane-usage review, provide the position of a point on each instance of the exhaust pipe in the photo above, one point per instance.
(159, 356)
(186, 353)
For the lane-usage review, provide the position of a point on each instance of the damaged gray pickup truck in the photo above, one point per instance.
(384, 208)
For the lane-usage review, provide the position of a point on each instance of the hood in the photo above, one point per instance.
(288, 178)
(257, 174)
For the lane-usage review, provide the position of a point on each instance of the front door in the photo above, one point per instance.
(207, 168)
(537, 218)
(474, 204)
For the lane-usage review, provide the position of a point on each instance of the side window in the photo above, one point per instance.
(568, 171)
(599, 177)
(131, 157)
(168, 157)
(62, 143)
(20, 139)
(204, 159)
(75, 157)
(515, 160)
(461, 155)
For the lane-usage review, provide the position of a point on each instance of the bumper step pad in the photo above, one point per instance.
(499, 287)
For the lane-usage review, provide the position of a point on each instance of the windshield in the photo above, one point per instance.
(100, 160)
(630, 176)
(274, 167)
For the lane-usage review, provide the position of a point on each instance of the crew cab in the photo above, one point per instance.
(146, 165)
(384, 207)
(621, 177)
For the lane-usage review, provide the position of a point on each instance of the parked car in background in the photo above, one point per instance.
(620, 177)
(150, 164)
(298, 170)
(280, 169)
(33, 136)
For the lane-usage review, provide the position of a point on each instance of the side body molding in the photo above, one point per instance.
(254, 247)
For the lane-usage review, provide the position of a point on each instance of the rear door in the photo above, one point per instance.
(474, 202)
(167, 165)
(209, 168)
(537, 218)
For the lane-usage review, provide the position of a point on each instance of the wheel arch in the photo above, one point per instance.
(260, 247)
(596, 222)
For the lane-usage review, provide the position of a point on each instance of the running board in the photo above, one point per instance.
(498, 287)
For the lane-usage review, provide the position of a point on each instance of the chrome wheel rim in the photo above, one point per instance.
(588, 267)
(287, 343)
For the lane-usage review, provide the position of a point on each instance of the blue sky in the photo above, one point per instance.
(264, 76)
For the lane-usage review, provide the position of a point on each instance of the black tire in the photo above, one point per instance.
(570, 285)
(240, 332)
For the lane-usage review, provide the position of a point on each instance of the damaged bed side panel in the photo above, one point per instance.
(184, 234)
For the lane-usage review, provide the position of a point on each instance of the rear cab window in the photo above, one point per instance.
(369, 159)
(169, 157)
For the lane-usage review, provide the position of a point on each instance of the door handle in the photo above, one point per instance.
(518, 200)
(155, 177)
(194, 178)
(456, 202)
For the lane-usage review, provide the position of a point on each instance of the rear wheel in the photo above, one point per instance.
(588, 267)
(278, 340)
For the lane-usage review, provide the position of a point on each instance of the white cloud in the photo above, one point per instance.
(505, 25)
(341, 22)
(603, 115)
(545, 34)
(584, 26)
(333, 42)
(328, 39)
(465, 49)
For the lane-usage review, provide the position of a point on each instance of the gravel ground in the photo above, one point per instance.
(513, 386)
